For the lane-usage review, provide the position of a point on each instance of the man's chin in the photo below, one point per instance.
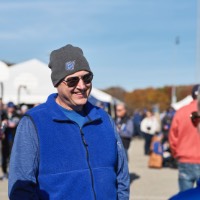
(81, 102)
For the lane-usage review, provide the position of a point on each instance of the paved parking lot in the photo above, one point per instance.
(149, 184)
(3, 190)
(146, 184)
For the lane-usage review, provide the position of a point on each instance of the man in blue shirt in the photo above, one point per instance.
(66, 148)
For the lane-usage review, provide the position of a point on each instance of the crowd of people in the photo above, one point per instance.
(171, 139)
(10, 115)
(67, 138)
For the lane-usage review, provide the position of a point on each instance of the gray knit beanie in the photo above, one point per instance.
(66, 61)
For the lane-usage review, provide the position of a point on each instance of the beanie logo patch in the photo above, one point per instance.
(69, 66)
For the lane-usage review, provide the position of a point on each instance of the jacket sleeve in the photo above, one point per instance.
(24, 161)
(143, 125)
(123, 177)
(173, 135)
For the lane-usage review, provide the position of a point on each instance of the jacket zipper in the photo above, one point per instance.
(88, 162)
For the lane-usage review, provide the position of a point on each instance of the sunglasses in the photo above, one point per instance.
(195, 118)
(73, 81)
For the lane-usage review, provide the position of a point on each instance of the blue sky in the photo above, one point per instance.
(128, 43)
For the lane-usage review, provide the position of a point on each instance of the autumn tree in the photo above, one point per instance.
(149, 97)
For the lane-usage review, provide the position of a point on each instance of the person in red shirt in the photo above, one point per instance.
(184, 142)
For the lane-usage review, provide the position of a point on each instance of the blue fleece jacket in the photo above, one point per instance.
(68, 162)
(190, 194)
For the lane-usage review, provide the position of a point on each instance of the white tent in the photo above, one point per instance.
(29, 82)
(102, 96)
(182, 102)
(4, 75)
(105, 98)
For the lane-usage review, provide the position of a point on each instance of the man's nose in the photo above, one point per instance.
(81, 84)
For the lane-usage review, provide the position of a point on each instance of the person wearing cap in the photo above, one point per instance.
(184, 142)
(67, 148)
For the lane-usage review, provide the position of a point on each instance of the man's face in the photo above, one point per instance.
(10, 109)
(74, 96)
(120, 111)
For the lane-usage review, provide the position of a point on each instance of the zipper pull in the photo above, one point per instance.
(83, 138)
(85, 142)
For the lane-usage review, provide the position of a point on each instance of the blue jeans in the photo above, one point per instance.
(189, 174)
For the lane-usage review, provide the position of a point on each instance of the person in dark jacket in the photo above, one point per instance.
(67, 148)
(4, 141)
(11, 122)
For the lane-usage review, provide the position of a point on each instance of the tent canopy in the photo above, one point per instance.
(29, 82)
(101, 96)
(4, 71)
(182, 102)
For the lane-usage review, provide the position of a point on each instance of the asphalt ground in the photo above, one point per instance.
(146, 183)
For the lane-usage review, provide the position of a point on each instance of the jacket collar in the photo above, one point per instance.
(57, 114)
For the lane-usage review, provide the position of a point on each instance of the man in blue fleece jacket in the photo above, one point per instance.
(66, 148)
